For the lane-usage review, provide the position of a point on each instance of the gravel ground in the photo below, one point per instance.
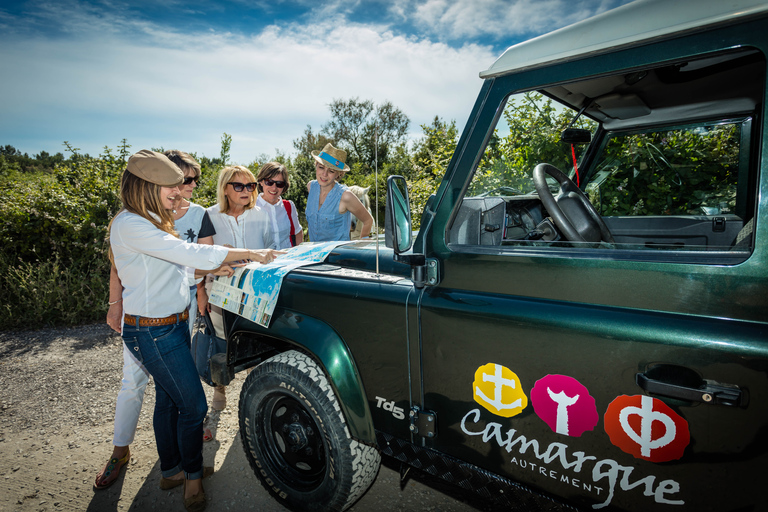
(57, 399)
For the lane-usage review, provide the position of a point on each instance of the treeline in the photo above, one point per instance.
(55, 209)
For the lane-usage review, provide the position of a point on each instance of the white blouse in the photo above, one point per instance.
(152, 266)
(281, 226)
(251, 230)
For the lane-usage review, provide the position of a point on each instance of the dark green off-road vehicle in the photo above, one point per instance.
(582, 321)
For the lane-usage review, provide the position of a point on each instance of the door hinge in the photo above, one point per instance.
(423, 423)
(432, 272)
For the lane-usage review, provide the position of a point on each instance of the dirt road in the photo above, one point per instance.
(57, 396)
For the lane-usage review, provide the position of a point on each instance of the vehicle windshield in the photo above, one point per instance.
(527, 134)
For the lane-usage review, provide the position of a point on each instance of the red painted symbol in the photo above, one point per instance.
(564, 404)
(646, 428)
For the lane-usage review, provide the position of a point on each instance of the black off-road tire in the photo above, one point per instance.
(296, 439)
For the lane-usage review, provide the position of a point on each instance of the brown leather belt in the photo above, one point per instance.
(150, 322)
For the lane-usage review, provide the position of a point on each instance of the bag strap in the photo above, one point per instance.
(289, 211)
(208, 324)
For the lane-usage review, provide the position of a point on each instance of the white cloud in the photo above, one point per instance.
(499, 18)
(177, 89)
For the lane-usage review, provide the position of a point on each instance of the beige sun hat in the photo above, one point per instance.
(155, 168)
(332, 158)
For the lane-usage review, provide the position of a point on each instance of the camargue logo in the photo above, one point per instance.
(642, 426)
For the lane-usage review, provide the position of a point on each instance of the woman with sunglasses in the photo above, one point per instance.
(272, 183)
(191, 222)
(236, 218)
(238, 223)
(152, 264)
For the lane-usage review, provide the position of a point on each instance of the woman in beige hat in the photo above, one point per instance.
(192, 224)
(152, 262)
(330, 205)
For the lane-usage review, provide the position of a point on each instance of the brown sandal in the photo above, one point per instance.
(169, 483)
(113, 467)
(197, 502)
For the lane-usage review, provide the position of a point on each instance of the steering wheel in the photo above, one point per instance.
(572, 212)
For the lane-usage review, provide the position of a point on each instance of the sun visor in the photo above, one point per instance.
(620, 106)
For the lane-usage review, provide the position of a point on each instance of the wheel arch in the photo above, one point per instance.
(290, 330)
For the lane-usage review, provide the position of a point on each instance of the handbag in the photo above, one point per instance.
(205, 344)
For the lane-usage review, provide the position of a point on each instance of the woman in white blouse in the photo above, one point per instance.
(236, 218)
(272, 183)
(238, 223)
(152, 262)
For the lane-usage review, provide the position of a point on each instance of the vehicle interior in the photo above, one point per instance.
(648, 164)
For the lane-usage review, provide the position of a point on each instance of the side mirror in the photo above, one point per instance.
(576, 136)
(398, 215)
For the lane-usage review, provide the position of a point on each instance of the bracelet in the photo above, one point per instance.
(115, 302)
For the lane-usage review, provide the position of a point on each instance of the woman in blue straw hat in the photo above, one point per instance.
(330, 205)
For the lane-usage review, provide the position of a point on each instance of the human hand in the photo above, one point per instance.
(202, 300)
(115, 316)
(226, 270)
(264, 256)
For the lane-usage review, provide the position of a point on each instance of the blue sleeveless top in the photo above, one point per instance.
(325, 224)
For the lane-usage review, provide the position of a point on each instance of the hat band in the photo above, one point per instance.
(328, 158)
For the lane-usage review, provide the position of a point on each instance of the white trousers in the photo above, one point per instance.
(134, 384)
(129, 399)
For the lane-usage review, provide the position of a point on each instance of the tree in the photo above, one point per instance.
(226, 144)
(434, 151)
(369, 133)
(534, 125)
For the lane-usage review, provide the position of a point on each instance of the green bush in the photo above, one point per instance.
(53, 292)
(53, 228)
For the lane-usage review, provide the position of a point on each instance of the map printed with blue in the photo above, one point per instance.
(253, 290)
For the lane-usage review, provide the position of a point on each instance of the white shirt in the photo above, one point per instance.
(251, 230)
(281, 226)
(152, 265)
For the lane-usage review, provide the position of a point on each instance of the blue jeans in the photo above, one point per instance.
(180, 404)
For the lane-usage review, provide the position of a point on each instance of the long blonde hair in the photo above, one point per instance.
(142, 198)
(225, 176)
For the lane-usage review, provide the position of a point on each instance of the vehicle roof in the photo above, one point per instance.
(628, 25)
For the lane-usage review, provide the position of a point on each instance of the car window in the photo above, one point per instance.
(662, 169)
(685, 171)
(527, 133)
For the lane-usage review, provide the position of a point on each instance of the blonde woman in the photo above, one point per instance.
(152, 262)
(193, 225)
(238, 223)
(330, 206)
(236, 218)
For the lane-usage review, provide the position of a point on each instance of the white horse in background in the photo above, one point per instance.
(357, 226)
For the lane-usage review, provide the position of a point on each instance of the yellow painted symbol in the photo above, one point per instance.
(501, 383)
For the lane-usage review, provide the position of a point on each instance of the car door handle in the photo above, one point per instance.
(708, 391)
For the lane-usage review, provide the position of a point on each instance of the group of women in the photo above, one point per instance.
(164, 248)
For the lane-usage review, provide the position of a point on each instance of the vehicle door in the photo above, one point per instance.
(629, 373)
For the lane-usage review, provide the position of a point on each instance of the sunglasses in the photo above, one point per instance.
(240, 186)
(278, 184)
(190, 179)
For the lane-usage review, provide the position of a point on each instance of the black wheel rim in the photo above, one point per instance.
(293, 442)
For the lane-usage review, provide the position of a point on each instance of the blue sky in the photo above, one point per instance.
(179, 74)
